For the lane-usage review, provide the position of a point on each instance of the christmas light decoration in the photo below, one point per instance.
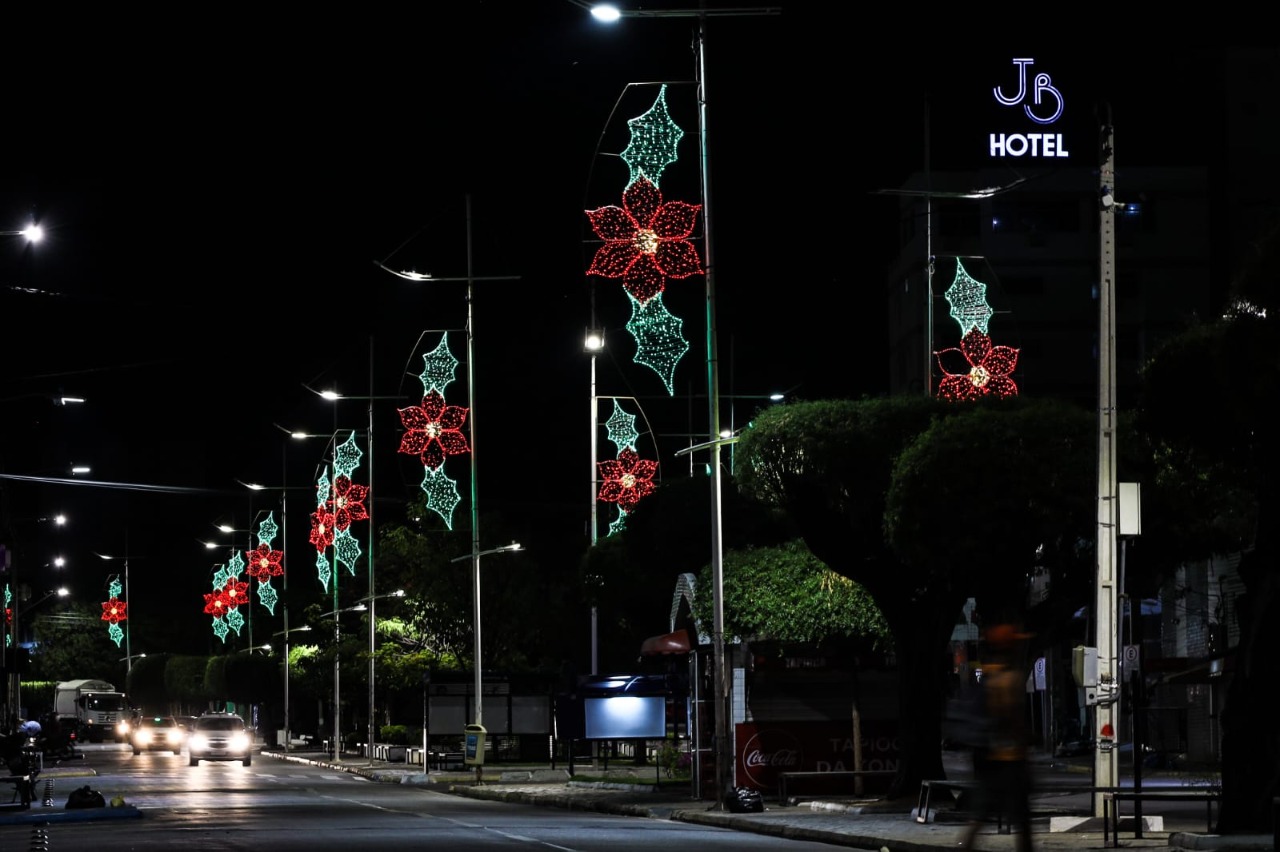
(442, 493)
(268, 597)
(347, 503)
(618, 523)
(115, 611)
(433, 430)
(659, 337)
(235, 620)
(646, 241)
(267, 529)
(322, 528)
(626, 479)
(346, 549)
(114, 588)
(621, 428)
(346, 457)
(440, 368)
(990, 368)
(968, 299)
(654, 137)
(323, 570)
(220, 629)
(264, 563)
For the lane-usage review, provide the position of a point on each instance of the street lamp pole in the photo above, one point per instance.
(724, 751)
(475, 606)
(128, 651)
(594, 344)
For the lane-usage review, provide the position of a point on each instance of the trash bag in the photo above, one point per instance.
(746, 801)
(85, 797)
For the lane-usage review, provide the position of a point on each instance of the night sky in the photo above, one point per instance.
(216, 207)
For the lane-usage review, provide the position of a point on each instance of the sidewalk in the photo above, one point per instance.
(865, 823)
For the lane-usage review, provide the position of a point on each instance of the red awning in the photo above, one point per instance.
(668, 643)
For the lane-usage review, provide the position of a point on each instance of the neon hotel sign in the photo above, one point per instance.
(1042, 103)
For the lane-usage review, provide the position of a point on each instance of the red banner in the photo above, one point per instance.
(765, 749)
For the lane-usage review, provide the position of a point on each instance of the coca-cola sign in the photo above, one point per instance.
(765, 749)
(767, 753)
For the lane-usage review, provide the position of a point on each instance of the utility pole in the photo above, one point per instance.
(1106, 592)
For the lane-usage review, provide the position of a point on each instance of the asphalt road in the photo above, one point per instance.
(282, 806)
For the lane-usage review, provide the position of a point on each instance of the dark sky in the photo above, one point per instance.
(216, 203)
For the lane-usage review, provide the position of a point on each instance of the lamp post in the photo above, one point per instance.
(475, 604)
(593, 345)
(471, 279)
(334, 396)
(609, 13)
(287, 707)
(128, 652)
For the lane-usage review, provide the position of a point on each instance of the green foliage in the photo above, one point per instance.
(786, 594)
(72, 642)
(184, 681)
(674, 759)
(394, 734)
(145, 684)
(37, 696)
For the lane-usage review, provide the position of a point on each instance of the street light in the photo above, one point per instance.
(130, 659)
(33, 232)
(723, 689)
(475, 603)
(594, 344)
(285, 633)
(128, 653)
(253, 648)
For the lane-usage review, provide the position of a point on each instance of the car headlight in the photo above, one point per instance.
(123, 729)
(240, 741)
(174, 737)
(198, 741)
(143, 736)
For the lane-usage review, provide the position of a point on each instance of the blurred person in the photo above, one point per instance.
(1000, 764)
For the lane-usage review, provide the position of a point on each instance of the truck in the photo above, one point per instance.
(97, 707)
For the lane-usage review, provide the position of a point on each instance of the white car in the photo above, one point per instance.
(219, 736)
(156, 733)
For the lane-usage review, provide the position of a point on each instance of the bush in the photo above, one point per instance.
(393, 735)
(674, 758)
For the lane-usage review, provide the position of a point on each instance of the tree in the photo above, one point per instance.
(73, 643)
(786, 594)
(848, 473)
(1207, 403)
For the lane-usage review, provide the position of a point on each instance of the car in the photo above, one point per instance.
(187, 723)
(156, 733)
(220, 736)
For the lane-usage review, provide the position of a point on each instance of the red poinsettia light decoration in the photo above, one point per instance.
(215, 604)
(115, 611)
(645, 240)
(990, 368)
(346, 501)
(433, 430)
(263, 563)
(626, 479)
(322, 528)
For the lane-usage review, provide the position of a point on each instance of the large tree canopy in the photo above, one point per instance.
(1208, 400)
(990, 488)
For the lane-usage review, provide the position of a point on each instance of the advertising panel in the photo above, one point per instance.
(765, 749)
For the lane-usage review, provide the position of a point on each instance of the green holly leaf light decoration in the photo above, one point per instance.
(347, 457)
(114, 588)
(268, 529)
(968, 299)
(220, 629)
(659, 337)
(323, 570)
(654, 137)
(442, 493)
(440, 368)
(235, 620)
(346, 549)
(222, 575)
(619, 523)
(115, 633)
(621, 428)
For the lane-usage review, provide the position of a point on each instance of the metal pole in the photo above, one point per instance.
(475, 512)
(128, 649)
(372, 737)
(724, 728)
(595, 449)
(1106, 598)
(284, 579)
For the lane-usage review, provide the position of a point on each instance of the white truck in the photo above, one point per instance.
(97, 706)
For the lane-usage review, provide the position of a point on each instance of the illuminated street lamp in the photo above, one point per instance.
(285, 633)
(127, 651)
(475, 603)
(33, 232)
(723, 690)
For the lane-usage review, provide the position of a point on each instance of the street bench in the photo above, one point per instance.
(787, 780)
(444, 760)
(1111, 800)
(23, 789)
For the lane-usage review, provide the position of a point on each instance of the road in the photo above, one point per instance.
(282, 806)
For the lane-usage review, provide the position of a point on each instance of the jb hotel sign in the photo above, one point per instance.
(1032, 95)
